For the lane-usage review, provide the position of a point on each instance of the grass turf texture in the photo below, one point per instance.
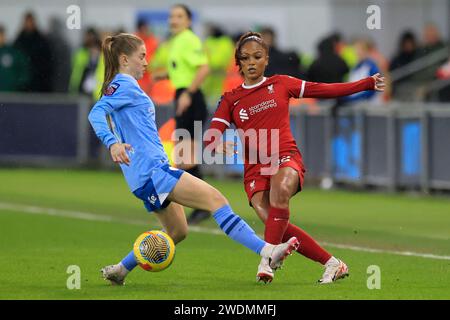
(35, 250)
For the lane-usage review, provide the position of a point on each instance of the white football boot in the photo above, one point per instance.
(335, 269)
(115, 274)
(269, 263)
(265, 272)
(282, 251)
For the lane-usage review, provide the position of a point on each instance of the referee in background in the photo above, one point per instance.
(187, 69)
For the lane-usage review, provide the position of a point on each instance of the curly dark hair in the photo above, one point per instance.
(248, 36)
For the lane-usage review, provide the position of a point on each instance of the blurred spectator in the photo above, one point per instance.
(443, 74)
(383, 63)
(444, 71)
(220, 51)
(406, 54)
(162, 91)
(407, 51)
(365, 67)
(151, 44)
(234, 77)
(14, 73)
(432, 41)
(328, 66)
(84, 64)
(344, 50)
(280, 62)
(36, 49)
(376, 55)
(60, 50)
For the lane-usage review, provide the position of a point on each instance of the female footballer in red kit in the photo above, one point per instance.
(261, 105)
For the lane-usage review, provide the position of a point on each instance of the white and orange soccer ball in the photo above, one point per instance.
(154, 250)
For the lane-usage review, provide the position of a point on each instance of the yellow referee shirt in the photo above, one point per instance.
(186, 54)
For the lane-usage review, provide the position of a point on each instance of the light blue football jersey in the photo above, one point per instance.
(126, 114)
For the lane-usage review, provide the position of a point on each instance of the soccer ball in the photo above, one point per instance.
(154, 250)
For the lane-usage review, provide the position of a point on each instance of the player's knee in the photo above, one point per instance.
(218, 200)
(281, 199)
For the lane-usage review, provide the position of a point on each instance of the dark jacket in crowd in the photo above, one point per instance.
(14, 71)
(329, 66)
(280, 62)
(37, 51)
(403, 59)
(60, 56)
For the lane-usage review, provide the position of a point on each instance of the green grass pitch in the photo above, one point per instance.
(38, 244)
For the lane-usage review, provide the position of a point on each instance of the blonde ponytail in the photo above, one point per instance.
(112, 48)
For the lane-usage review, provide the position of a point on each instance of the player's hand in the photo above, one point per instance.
(379, 82)
(184, 101)
(227, 147)
(119, 153)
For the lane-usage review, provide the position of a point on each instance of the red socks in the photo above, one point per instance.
(308, 246)
(276, 225)
(278, 230)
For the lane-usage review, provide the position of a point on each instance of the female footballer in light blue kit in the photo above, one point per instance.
(124, 120)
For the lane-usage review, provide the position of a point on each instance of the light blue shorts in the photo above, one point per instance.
(155, 191)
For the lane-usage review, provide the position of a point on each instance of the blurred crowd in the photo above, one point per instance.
(37, 61)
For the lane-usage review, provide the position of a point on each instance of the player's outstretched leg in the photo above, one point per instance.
(173, 220)
(195, 193)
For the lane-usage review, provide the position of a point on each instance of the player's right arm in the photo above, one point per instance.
(219, 123)
(98, 120)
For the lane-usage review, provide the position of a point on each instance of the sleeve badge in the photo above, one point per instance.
(111, 89)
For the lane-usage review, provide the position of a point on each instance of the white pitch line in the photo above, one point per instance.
(104, 218)
(373, 250)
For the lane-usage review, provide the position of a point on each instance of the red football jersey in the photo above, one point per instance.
(261, 111)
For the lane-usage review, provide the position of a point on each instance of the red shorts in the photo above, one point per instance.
(256, 182)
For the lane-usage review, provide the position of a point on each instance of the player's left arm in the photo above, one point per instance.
(335, 90)
(298, 88)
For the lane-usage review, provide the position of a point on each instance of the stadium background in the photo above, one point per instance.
(54, 172)
(289, 17)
